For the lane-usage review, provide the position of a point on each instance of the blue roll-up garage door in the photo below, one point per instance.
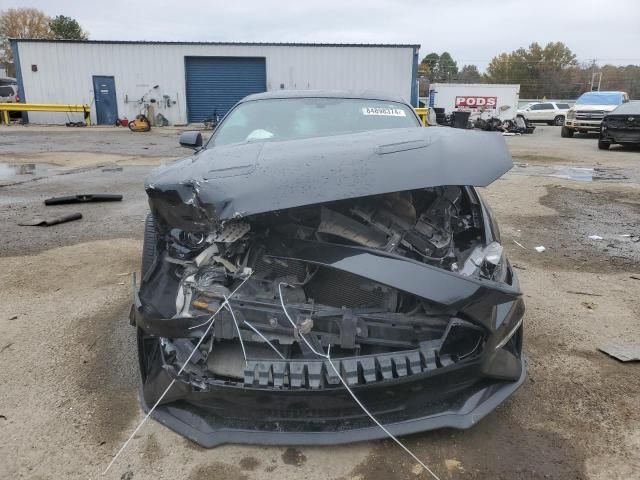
(215, 84)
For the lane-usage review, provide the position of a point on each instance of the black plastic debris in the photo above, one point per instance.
(83, 198)
(47, 222)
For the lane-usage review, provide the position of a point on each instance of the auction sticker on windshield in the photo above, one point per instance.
(386, 111)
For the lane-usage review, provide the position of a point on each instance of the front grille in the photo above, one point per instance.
(590, 114)
(624, 123)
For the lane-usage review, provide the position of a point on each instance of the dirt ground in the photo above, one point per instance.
(68, 395)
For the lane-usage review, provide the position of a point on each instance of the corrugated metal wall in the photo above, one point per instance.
(65, 70)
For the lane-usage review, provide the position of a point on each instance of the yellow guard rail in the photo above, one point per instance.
(5, 108)
(422, 113)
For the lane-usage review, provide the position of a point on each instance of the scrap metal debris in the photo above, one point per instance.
(47, 222)
(83, 198)
(621, 351)
(519, 244)
(575, 292)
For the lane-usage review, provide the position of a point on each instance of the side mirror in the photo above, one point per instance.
(191, 139)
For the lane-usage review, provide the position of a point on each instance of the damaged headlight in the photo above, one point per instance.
(571, 113)
(185, 245)
(486, 261)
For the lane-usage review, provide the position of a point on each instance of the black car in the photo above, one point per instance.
(622, 126)
(318, 240)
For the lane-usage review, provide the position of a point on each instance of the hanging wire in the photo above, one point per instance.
(327, 357)
(211, 319)
(233, 315)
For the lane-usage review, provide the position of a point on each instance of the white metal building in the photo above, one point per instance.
(190, 82)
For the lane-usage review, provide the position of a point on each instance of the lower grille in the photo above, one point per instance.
(319, 373)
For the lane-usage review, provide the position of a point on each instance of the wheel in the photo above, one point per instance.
(566, 132)
(149, 245)
(602, 145)
(558, 121)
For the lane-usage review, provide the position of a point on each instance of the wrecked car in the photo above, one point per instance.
(326, 220)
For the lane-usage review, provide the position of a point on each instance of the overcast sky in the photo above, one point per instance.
(473, 31)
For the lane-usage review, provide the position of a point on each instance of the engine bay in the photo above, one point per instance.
(442, 227)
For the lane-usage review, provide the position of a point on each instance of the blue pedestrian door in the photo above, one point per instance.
(104, 91)
(215, 84)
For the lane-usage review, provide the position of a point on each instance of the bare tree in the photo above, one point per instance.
(21, 23)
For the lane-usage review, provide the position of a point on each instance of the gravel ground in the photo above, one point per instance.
(68, 386)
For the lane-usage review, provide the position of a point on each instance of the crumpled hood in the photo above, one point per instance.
(234, 181)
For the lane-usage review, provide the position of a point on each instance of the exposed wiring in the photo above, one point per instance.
(233, 315)
(293, 324)
(265, 339)
(327, 357)
(221, 306)
(151, 410)
(370, 415)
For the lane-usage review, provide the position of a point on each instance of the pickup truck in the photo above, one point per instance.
(590, 108)
(552, 113)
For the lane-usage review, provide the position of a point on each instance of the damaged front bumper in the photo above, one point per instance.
(302, 402)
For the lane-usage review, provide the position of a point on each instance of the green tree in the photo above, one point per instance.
(469, 74)
(540, 71)
(66, 28)
(431, 63)
(447, 67)
(20, 23)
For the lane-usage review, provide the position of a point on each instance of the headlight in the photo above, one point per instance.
(571, 114)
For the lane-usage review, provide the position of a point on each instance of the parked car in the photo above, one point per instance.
(590, 108)
(622, 126)
(553, 113)
(322, 230)
(9, 93)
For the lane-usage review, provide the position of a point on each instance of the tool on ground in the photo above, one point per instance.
(83, 198)
(47, 222)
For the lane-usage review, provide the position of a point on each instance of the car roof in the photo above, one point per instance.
(367, 95)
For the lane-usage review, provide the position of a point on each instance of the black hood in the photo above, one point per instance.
(234, 181)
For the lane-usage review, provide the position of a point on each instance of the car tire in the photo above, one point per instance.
(558, 121)
(149, 245)
(566, 132)
(602, 145)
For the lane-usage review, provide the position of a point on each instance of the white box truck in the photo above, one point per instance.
(486, 99)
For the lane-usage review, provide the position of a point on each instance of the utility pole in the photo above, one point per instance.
(595, 75)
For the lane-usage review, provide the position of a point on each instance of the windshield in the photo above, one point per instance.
(286, 119)
(600, 98)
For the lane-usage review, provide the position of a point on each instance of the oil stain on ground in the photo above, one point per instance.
(294, 456)
(495, 449)
(249, 463)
